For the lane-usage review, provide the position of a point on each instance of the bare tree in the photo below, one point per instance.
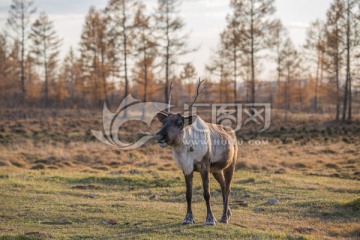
(19, 19)
(280, 38)
(234, 43)
(45, 49)
(188, 74)
(172, 43)
(290, 64)
(120, 16)
(96, 56)
(220, 67)
(335, 46)
(145, 49)
(4, 65)
(316, 46)
(350, 26)
(254, 19)
(8, 67)
(70, 74)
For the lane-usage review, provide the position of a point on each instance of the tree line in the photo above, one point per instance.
(126, 48)
(123, 48)
(325, 68)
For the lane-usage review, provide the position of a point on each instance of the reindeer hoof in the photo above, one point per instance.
(189, 219)
(224, 220)
(210, 221)
(186, 222)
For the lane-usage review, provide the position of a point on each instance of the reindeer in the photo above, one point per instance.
(201, 147)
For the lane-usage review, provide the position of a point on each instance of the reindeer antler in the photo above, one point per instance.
(197, 94)
(158, 108)
(169, 103)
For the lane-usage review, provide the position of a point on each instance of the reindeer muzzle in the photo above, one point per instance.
(161, 139)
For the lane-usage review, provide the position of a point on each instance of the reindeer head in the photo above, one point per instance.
(174, 123)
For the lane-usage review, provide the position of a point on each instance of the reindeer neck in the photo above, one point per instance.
(187, 134)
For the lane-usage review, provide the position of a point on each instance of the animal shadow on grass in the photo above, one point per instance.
(176, 226)
(119, 181)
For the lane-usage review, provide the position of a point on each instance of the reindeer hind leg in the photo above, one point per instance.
(219, 176)
(228, 175)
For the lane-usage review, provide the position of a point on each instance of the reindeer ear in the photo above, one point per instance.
(161, 116)
(189, 120)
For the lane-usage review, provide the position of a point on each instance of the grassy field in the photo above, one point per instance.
(57, 181)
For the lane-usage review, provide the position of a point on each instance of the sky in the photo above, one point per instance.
(205, 19)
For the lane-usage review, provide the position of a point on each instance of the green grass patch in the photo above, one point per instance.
(80, 205)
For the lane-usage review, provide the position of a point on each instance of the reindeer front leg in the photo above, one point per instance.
(205, 175)
(189, 219)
